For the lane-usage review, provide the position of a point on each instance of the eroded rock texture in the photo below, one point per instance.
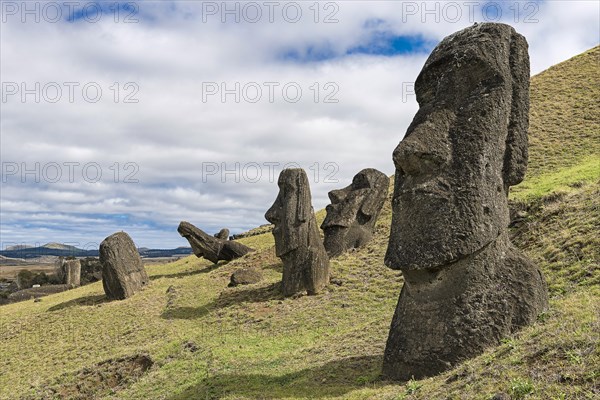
(353, 211)
(70, 272)
(297, 239)
(245, 276)
(212, 248)
(123, 272)
(465, 286)
(222, 234)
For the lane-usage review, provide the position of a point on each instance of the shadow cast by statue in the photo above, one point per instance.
(249, 295)
(332, 379)
(276, 266)
(227, 298)
(81, 301)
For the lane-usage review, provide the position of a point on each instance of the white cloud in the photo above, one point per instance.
(174, 138)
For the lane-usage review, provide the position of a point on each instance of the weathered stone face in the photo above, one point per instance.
(212, 248)
(466, 145)
(353, 211)
(123, 272)
(291, 211)
(465, 286)
(297, 239)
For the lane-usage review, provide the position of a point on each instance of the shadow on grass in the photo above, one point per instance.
(332, 379)
(185, 312)
(184, 274)
(227, 298)
(277, 267)
(81, 301)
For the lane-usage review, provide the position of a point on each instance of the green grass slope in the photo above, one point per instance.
(209, 341)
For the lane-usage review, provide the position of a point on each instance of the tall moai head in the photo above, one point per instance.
(353, 211)
(291, 211)
(297, 239)
(464, 148)
(465, 286)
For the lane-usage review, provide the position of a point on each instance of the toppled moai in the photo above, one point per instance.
(123, 272)
(353, 212)
(212, 248)
(70, 272)
(465, 286)
(297, 239)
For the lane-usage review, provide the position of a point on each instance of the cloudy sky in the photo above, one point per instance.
(135, 116)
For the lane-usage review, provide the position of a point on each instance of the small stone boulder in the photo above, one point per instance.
(245, 276)
(123, 272)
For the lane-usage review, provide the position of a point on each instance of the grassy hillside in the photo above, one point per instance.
(565, 114)
(208, 341)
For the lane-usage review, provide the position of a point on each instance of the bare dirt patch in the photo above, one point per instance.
(107, 377)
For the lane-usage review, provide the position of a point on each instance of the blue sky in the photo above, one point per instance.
(180, 131)
(379, 44)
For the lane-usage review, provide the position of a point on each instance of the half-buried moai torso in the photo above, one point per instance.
(297, 239)
(465, 285)
(353, 211)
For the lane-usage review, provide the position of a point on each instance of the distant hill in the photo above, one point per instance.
(61, 250)
(18, 247)
(209, 341)
(59, 246)
(50, 249)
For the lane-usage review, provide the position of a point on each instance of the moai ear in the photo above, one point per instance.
(303, 201)
(369, 206)
(376, 196)
(515, 156)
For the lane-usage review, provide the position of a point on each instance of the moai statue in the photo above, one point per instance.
(353, 211)
(210, 247)
(465, 285)
(70, 272)
(123, 272)
(297, 239)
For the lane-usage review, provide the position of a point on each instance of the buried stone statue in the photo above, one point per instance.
(353, 211)
(210, 247)
(70, 272)
(297, 239)
(465, 285)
